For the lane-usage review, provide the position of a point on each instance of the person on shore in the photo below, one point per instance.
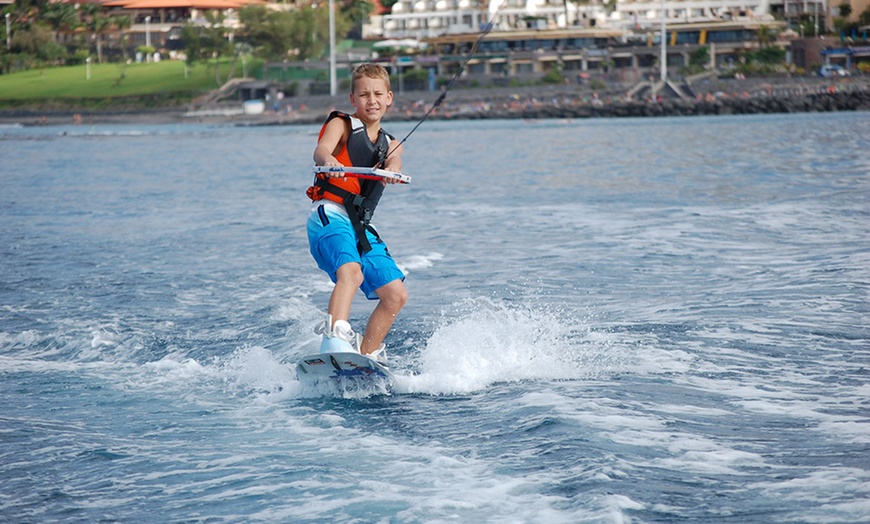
(341, 237)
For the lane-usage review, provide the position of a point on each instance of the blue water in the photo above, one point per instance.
(661, 320)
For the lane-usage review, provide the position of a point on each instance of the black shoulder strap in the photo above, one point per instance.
(335, 114)
(359, 208)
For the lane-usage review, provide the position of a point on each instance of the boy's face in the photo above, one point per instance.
(372, 98)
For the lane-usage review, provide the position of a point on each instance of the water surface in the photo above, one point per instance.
(624, 320)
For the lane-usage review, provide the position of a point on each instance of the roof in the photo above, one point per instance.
(190, 4)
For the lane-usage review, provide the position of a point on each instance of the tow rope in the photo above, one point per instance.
(453, 80)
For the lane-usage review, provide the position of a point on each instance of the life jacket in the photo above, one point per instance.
(359, 197)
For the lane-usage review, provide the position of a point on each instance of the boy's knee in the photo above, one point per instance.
(350, 273)
(396, 296)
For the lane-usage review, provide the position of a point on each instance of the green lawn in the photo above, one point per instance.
(108, 81)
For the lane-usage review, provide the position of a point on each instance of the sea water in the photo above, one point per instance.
(610, 321)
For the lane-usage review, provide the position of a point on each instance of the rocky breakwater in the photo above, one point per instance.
(728, 97)
(807, 103)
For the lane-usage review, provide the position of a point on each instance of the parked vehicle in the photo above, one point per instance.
(827, 71)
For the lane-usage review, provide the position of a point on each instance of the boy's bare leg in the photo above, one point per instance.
(349, 277)
(393, 297)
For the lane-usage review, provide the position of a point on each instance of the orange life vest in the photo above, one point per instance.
(359, 197)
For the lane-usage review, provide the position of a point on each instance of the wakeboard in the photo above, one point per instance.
(354, 367)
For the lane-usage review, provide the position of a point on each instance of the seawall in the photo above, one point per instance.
(730, 97)
(711, 97)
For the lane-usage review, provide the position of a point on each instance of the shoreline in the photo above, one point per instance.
(711, 97)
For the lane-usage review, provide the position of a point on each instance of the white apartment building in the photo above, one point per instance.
(430, 18)
(648, 12)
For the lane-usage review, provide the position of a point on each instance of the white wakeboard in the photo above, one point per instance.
(341, 366)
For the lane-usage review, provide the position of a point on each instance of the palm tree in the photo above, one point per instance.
(766, 36)
(120, 23)
(60, 16)
(101, 24)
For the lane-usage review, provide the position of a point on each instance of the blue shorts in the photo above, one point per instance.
(333, 243)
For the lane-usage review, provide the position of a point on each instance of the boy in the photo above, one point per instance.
(340, 237)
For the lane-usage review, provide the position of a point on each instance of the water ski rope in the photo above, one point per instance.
(377, 172)
(453, 80)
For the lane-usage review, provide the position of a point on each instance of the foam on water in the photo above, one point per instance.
(481, 343)
(413, 262)
(412, 480)
(489, 343)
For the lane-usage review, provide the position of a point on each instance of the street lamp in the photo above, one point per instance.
(148, 33)
(664, 50)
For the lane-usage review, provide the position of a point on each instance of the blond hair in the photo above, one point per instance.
(369, 70)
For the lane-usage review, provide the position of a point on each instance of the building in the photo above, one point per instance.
(858, 7)
(580, 53)
(819, 13)
(433, 18)
(643, 13)
(430, 18)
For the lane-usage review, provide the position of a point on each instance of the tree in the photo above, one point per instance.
(60, 16)
(845, 10)
(771, 55)
(357, 13)
(38, 45)
(192, 44)
(38, 21)
(120, 23)
(310, 31)
(214, 41)
(28, 12)
(388, 4)
(554, 76)
(204, 42)
(268, 32)
(303, 32)
(700, 56)
(33, 37)
(97, 24)
(766, 36)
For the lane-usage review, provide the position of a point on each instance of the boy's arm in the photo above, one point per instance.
(333, 136)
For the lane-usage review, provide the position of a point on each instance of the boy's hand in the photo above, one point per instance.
(333, 163)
